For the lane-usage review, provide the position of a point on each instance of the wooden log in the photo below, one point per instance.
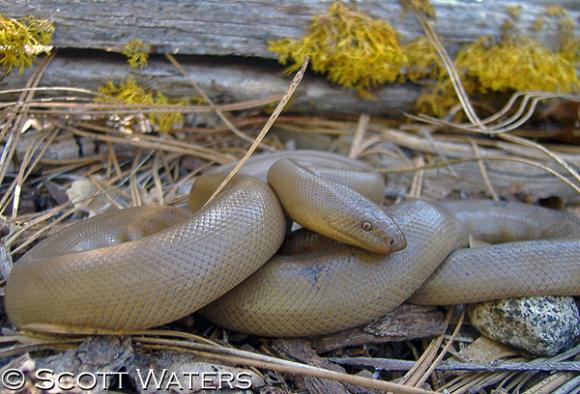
(404, 323)
(230, 27)
(242, 29)
(225, 80)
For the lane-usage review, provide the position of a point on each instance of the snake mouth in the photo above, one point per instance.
(398, 243)
(397, 240)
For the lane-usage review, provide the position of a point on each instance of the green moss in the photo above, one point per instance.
(514, 11)
(508, 64)
(516, 64)
(512, 64)
(538, 23)
(137, 53)
(353, 49)
(422, 6)
(22, 40)
(556, 10)
(130, 92)
(569, 43)
(422, 61)
(357, 51)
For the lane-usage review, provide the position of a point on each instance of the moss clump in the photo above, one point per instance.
(538, 23)
(422, 6)
(357, 51)
(352, 48)
(137, 53)
(22, 40)
(511, 64)
(569, 43)
(422, 61)
(556, 10)
(514, 11)
(518, 64)
(129, 92)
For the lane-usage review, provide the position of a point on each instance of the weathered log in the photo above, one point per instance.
(225, 80)
(404, 323)
(231, 27)
(242, 29)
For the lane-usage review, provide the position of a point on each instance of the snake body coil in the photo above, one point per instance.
(143, 267)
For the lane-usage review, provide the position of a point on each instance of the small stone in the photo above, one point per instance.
(539, 325)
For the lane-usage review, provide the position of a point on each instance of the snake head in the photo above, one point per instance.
(377, 232)
(334, 209)
(362, 223)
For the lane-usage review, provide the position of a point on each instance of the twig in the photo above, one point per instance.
(449, 66)
(443, 352)
(15, 121)
(551, 383)
(412, 377)
(243, 357)
(143, 141)
(569, 386)
(417, 182)
(484, 158)
(56, 107)
(20, 349)
(391, 365)
(361, 127)
(483, 170)
(468, 108)
(279, 108)
(219, 113)
(543, 149)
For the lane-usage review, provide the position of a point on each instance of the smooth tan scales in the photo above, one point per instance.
(143, 267)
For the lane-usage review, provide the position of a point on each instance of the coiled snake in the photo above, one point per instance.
(144, 267)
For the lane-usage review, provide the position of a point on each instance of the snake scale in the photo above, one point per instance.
(143, 267)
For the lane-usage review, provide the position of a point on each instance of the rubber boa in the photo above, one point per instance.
(144, 267)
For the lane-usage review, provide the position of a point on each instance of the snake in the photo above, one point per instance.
(143, 267)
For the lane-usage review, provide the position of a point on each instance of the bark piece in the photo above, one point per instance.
(300, 350)
(404, 323)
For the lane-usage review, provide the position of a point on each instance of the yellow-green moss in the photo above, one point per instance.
(556, 10)
(22, 40)
(516, 64)
(514, 11)
(357, 51)
(422, 61)
(137, 53)
(130, 92)
(538, 23)
(569, 43)
(352, 48)
(422, 6)
(512, 64)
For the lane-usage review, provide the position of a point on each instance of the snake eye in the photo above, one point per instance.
(367, 226)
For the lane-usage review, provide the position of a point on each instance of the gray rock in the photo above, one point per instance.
(539, 325)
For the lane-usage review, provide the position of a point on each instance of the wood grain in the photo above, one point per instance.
(231, 27)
